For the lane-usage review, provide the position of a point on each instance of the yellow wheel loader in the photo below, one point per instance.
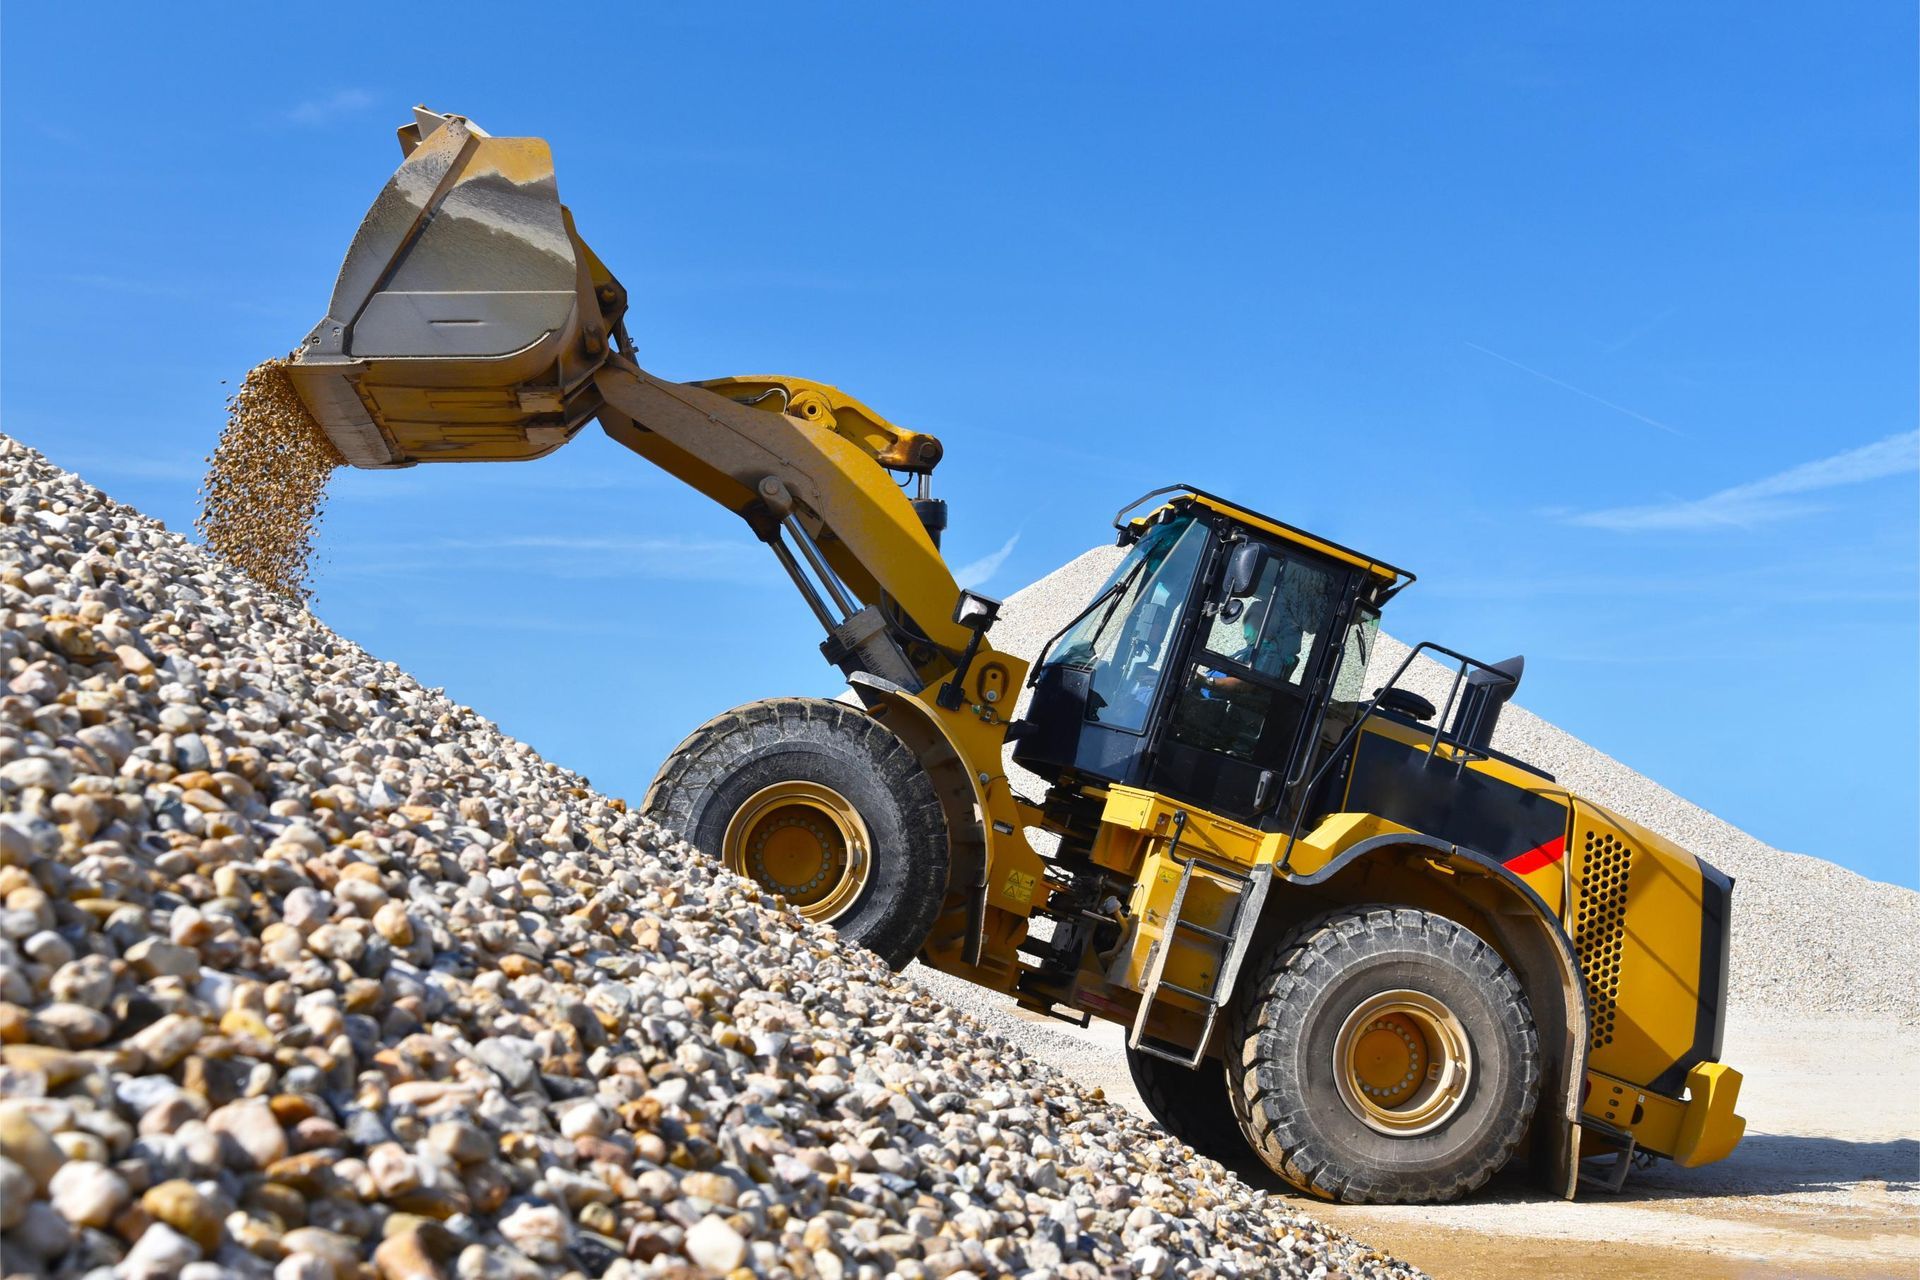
(1343, 931)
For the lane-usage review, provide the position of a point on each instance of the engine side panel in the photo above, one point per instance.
(1649, 925)
(1648, 920)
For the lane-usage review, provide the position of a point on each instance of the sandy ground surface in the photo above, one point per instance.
(1826, 1183)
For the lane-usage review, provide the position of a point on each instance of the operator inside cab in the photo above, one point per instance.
(1257, 640)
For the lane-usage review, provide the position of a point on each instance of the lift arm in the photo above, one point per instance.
(471, 322)
(820, 496)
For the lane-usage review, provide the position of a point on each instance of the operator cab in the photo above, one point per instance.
(1223, 650)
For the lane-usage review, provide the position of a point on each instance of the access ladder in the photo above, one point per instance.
(1233, 942)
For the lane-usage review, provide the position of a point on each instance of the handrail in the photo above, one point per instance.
(1463, 751)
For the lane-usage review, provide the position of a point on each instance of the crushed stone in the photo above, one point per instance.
(307, 971)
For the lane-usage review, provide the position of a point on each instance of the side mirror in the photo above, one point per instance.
(1243, 569)
(974, 611)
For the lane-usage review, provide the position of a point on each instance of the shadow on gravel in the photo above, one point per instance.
(1764, 1164)
(1767, 1164)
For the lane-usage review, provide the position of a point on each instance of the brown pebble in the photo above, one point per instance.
(27, 1145)
(282, 1201)
(290, 1108)
(515, 965)
(405, 1257)
(181, 1206)
(310, 1173)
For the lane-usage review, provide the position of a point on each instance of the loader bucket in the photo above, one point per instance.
(468, 318)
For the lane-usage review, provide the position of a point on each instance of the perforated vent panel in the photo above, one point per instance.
(1600, 924)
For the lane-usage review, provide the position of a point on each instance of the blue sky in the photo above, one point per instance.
(1602, 319)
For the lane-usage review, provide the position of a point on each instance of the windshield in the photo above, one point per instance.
(1125, 637)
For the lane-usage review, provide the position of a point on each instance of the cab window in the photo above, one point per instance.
(1244, 694)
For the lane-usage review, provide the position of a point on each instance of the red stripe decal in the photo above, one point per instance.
(1534, 859)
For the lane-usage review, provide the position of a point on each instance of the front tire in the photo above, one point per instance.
(1384, 1056)
(821, 804)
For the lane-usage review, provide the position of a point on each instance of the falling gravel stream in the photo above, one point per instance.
(266, 484)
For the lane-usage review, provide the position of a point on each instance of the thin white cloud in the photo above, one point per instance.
(1766, 501)
(1642, 329)
(341, 102)
(979, 572)
(1635, 414)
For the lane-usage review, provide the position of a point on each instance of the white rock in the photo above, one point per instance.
(303, 1266)
(158, 1254)
(253, 1128)
(541, 1231)
(714, 1244)
(88, 1194)
(588, 1120)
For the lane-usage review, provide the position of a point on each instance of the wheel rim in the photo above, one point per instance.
(1402, 1062)
(804, 841)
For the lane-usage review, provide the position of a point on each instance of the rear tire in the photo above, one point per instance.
(1190, 1103)
(1307, 1042)
(878, 802)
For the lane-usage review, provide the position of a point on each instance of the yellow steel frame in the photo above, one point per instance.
(1699, 1130)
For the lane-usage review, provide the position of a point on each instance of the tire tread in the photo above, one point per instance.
(1309, 957)
(710, 753)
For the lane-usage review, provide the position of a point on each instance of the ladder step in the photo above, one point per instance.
(1171, 1052)
(1232, 942)
(1073, 1017)
(1217, 869)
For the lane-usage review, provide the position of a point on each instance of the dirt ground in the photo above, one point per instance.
(1825, 1184)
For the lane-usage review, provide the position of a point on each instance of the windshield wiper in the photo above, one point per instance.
(1119, 586)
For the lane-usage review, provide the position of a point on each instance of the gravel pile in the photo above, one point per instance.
(308, 971)
(1809, 937)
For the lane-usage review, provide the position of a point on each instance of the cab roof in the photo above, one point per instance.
(1391, 578)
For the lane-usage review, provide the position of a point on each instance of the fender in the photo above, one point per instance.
(1533, 936)
(992, 868)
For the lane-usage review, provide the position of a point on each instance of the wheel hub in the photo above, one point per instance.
(1402, 1062)
(804, 841)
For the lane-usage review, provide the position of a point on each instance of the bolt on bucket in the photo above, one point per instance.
(469, 317)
